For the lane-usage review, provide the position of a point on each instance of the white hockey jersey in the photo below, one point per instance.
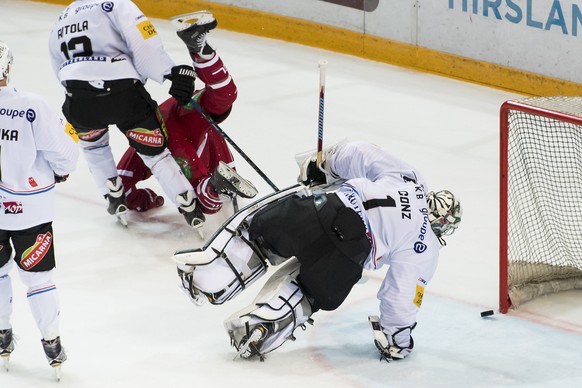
(34, 146)
(96, 40)
(390, 197)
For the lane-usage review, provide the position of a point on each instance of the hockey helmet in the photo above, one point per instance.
(5, 60)
(444, 212)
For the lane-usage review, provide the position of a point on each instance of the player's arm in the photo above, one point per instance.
(55, 140)
(149, 57)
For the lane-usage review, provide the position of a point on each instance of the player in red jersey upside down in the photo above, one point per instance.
(199, 149)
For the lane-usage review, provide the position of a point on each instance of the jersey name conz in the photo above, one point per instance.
(404, 205)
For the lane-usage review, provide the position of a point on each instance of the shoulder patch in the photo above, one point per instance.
(107, 6)
(30, 115)
(147, 29)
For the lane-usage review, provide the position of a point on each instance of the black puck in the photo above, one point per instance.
(487, 313)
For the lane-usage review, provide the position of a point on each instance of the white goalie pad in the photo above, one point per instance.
(232, 269)
(228, 262)
(279, 308)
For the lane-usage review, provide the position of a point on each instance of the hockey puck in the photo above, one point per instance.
(486, 313)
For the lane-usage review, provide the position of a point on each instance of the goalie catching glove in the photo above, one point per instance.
(182, 77)
(312, 174)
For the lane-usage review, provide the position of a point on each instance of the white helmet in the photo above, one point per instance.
(444, 212)
(5, 60)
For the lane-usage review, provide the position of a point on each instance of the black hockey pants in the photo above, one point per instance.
(328, 239)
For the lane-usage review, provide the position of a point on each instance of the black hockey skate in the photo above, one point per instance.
(228, 182)
(55, 354)
(192, 213)
(192, 30)
(6, 346)
(116, 199)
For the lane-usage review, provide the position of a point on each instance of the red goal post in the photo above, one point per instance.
(540, 234)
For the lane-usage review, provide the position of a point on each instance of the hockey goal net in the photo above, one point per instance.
(540, 198)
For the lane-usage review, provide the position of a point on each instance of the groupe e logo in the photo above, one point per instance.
(107, 6)
(419, 247)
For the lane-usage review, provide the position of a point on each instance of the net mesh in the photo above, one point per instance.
(544, 199)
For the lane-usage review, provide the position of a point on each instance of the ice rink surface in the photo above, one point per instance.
(124, 323)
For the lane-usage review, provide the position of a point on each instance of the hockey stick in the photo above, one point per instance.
(232, 143)
(322, 67)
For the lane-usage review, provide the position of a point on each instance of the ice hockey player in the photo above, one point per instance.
(381, 213)
(201, 152)
(37, 153)
(103, 52)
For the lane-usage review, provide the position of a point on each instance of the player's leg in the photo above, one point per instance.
(145, 129)
(229, 262)
(401, 297)
(90, 110)
(279, 308)
(35, 251)
(6, 263)
(220, 91)
(132, 170)
(222, 270)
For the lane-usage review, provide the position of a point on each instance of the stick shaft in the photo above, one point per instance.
(233, 144)
(322, 68)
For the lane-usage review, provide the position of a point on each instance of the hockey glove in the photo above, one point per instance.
(312, 175)
(61, 178)
(182, 78)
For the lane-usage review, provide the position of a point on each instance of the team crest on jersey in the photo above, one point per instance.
(107, 6)
(12, 207)
(147, 29)
(33, 255)
(146, 137)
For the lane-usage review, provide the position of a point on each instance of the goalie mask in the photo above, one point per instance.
(444, 212)
(5, 61)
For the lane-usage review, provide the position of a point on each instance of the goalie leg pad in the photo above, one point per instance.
(232, 266)
(229, 261)
(279, 308)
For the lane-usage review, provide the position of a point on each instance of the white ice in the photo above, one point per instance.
(124, 322)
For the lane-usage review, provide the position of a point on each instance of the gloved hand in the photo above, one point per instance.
(182, 78)
(311, 174)
(61, 178)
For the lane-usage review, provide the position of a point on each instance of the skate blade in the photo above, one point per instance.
(57, 369)
(243, 187)
(121, 215)
(6, 362)
(183, 21)
(255, 336)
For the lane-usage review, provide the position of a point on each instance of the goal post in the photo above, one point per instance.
(540, 234)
